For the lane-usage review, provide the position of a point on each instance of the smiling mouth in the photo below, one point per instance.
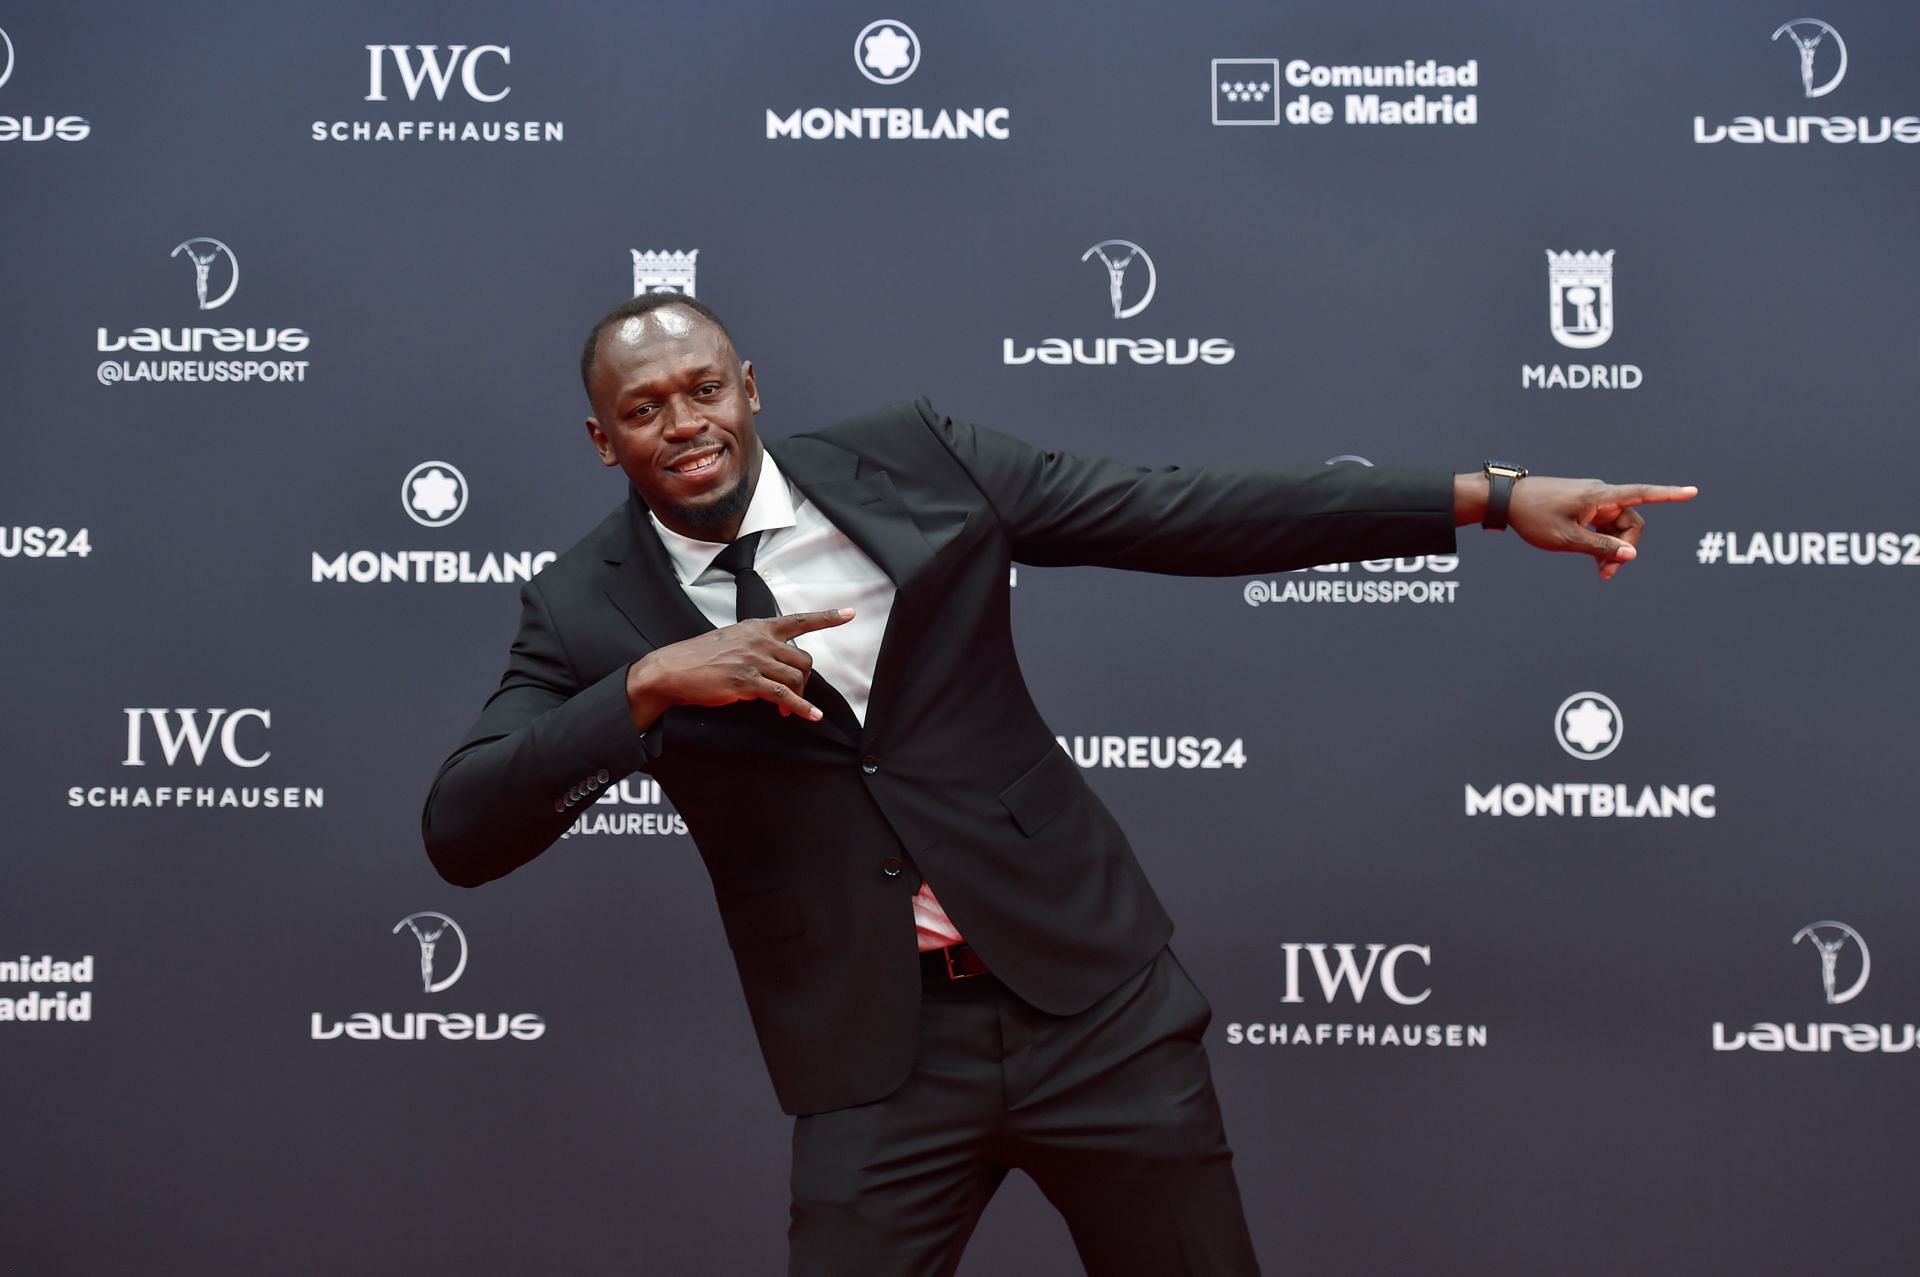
(698, 463)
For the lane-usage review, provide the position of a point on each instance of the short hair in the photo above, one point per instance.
(633, 308)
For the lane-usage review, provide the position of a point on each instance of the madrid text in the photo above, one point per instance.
(36, 1007)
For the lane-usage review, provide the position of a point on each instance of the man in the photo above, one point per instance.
(867, 776)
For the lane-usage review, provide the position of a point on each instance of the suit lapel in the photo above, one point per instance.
(866, 507)
(642, 584)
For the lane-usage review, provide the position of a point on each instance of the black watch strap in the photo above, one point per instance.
(1501, 476)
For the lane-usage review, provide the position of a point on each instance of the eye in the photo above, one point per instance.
(709, 388)
(640, 410)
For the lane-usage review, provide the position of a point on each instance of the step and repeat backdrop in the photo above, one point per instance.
(1550, 925)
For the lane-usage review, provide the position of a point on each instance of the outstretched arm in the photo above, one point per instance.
(1583, 516)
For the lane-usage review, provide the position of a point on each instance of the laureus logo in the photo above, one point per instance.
(6, 47)
(1830, 946)
(432, 931)
(1117, 255)
(1831, 941)
(1808, 36)
(205, 254)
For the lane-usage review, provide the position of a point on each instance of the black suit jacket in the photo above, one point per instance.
(954, 772)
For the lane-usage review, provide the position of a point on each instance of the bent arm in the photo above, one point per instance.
(1060, 508)
(521, 777)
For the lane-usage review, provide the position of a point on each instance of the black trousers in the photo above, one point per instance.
(1111, 1112)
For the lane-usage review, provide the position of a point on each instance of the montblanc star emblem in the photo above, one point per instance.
(886, 51)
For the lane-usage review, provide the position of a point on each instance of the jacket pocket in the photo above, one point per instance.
(761, 919)
(1042, 792)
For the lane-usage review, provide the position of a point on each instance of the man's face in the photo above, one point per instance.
(673, 407)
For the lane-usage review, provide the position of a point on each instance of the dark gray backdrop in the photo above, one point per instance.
(1383, 287)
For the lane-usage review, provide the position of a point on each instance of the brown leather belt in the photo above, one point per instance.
(950, 965)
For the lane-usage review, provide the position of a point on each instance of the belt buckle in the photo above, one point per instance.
(947, 953)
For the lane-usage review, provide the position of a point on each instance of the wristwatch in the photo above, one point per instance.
(1501, 476)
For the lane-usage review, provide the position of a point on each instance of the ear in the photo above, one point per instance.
(601, 444)
(747, 381)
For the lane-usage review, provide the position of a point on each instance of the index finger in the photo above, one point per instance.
(786, 627)
(1645, 493)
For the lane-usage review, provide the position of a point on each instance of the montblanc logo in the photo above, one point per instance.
(431, 930)
(198, 738)
(1821, 60)
(205, 254)
(434, 494)
(35, 128)
(1130, 280)
(425, 75)
(441, 947)
(1580, 317)
(1589, 726)
(216, 279)
(657, 272)
(1844, 965)
(887, 52)
(1345, 975)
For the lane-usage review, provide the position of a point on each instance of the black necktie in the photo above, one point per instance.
(752, 598)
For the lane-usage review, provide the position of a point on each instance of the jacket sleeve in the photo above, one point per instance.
(1059, 508)
(544, 747)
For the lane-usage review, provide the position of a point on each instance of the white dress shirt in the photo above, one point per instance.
(810, 566)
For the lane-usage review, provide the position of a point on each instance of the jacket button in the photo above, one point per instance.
(870, 764)
(603, 776)
(559, 804)
(890, 866)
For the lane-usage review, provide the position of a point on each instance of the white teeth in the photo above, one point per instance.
(706, 463)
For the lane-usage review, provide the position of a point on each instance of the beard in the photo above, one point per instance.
(711, 518)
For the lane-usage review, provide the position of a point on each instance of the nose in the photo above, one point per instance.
(681, 423)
